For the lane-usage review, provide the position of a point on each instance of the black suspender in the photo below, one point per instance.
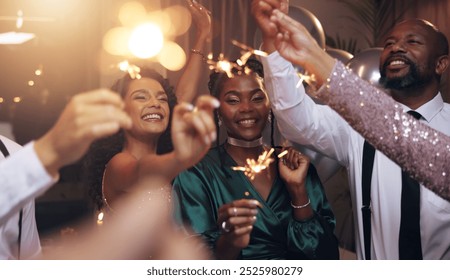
(5, 152)
(19, 237)
(3, 149)
(367, 168)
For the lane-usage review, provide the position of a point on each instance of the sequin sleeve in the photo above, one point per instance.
(420, 150)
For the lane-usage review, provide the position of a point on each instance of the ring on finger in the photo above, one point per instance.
(225, 227)
(234, 211)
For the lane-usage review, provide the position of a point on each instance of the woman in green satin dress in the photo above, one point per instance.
(281, 213)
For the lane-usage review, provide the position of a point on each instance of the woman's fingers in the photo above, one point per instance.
(237, 214)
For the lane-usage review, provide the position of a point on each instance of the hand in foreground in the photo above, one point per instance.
(148, 233)
(236, 221)
(193, 129)
(88, 117)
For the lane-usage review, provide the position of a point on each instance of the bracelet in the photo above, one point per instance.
(301, 206)
(200, 53)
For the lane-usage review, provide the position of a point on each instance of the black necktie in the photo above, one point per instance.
(410, 247)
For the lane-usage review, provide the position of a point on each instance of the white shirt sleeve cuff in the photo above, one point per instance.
(282, 82)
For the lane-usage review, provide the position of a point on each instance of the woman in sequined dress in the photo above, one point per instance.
(398, 135)
(151, 130)
(145, 150)
(114, 161)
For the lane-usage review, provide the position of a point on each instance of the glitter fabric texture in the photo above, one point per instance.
(420, 150)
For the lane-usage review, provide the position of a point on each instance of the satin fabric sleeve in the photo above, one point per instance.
(299, 118)
(197, 212)
(381, 120)
(314, 237)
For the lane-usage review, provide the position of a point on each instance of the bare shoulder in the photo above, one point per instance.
(121, 171)
(120, 160)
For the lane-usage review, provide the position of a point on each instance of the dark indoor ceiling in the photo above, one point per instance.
(65, 47)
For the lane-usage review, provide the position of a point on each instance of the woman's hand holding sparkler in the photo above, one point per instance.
(236, 221)
(293, 170)
(262, 10)
(193, 130)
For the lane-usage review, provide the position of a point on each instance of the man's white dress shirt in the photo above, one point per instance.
(22, 178)
(318, 127)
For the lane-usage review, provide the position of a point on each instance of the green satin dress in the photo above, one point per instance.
(201, 190)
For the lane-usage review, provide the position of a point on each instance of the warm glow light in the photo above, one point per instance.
(15, 38)
(132, 14)
(31, 83)
(115, 41)
(17, 99)
(162, 20)
(38, 72)
(100, 217)
(146, 41)
(283, 153)
(19, 21)
(172, 56)
(124, 65)
(225, 66)
(253, 167)
(2, 100)
(131, 69)
(181, 19)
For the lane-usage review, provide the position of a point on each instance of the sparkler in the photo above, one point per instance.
(282, 154)
(131, 69)
(100, 217)
(310, 80)
(253, 167)
(221, 65)
(228, 67)
(247, 52)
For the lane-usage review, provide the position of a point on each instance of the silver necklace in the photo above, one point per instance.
(244, 144)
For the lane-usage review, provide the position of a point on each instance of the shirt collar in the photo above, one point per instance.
(430, 109)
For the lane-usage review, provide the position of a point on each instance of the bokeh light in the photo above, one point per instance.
(181, 20)
(17, 99)
(132, 14)
(115, 41)
(31, 83)
(162, 19)
(172, 56)
(146, 40)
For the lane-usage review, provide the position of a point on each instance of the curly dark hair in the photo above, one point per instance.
(216, 78)
(102, 150)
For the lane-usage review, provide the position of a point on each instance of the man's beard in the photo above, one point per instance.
(412, 79)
